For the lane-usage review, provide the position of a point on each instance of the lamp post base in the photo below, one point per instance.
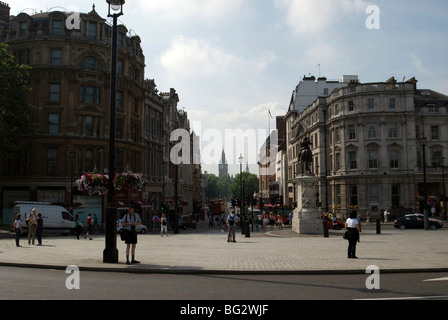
(110, 253)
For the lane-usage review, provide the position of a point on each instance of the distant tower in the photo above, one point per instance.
(223, 165)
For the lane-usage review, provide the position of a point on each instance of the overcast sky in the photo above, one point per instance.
(233, 60)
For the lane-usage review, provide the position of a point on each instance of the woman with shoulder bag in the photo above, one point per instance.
(352, 234)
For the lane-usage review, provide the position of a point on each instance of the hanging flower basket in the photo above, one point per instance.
(128, 181)
(93, 183)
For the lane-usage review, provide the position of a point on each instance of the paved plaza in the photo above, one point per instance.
(206, 250)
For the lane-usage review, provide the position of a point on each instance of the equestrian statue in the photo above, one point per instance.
(306, 156)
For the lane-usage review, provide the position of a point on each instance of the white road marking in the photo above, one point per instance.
(437, 279)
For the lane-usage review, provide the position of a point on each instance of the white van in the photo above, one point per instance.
(56, 218)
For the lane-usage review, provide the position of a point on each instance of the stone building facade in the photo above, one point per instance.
(70, 82)
(367, 147)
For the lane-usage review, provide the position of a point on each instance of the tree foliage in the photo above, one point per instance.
(15, 111)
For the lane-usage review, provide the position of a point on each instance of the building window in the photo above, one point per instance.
(119, 129)
(351, 132)
(119, 103)
(395, 194)
(92, 30)
(56, 57)
(89, 94)
(353, 195)
(394, 159)
(351, 106)
(373, 193)
(52, 160)
(371, 131)
(23, 29)
(373, 159)
(436, 158)
(393, 130)
(120, 67)
(89, 126)
(434, 132)
(53, 123)
(370, 103)
(338, 134)
(338, 194)
(338, 161)
(392, 103)
(57, 27)
(352, 160)
(55, 91)
(91, 63)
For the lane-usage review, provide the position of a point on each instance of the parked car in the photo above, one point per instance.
(336, 226)
(187, 222)
(140, 229)
(416, 221)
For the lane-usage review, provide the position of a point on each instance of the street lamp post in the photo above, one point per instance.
(242, 223)
(110, 253)
(442, 164)
(424, 143)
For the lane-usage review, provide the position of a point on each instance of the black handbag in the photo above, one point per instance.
(124, 233)
(345, 235)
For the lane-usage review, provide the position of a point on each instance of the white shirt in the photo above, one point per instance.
(351, 223)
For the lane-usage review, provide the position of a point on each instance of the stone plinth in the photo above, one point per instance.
(306, 217)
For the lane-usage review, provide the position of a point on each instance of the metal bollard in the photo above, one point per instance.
(378, 226)
(325, 224)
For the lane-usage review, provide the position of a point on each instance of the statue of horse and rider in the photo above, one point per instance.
(306, 156)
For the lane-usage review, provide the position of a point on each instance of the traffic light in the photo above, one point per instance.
(248, 200)
(233, 203)
(280, 200)
(238, 202)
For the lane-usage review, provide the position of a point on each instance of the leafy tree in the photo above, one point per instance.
(251, 184)
(15, 111)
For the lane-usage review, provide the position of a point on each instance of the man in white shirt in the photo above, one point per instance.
(130, 222)
(231, 222)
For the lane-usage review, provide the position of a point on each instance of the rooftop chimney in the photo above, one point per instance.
(4, 11)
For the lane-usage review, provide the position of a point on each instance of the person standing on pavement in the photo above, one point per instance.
(386, 214)
(18, 229)
(39, 229)
(31, 220)
(232, 219)
(89, 222)
(163, 225)
(352, 227)
(130, 222)
(77, 228)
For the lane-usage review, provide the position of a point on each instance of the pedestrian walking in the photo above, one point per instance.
(386, 215)
(280, 221)
(352, 234)
(264, 221)
(130, 222)
(89, 222)
(232, 219)
(39, 229)
(77, 228)
(18, 229)
(155, 223)
(163, 225)
(31, 221)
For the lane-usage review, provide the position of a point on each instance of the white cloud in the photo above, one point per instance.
(315, 16)
(198, 57)
(179, 10)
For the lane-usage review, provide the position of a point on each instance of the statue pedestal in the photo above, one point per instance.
(306, 217)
